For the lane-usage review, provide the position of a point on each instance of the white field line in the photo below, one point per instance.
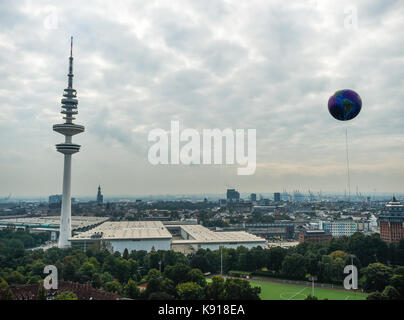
(297, 293)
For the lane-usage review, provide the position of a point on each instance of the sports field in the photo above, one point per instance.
(282, 291)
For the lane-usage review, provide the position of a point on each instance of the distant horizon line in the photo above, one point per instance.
(202, 194)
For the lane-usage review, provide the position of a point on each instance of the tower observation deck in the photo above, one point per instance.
(68, 129)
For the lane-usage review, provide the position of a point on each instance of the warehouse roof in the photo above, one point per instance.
(78, 222)
(202, 234)
(126, 230)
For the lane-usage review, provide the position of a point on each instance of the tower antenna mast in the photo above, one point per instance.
(67, 148)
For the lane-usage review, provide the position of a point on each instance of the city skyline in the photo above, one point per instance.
(140, 65)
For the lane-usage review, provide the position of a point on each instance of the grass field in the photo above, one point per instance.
(281, 291)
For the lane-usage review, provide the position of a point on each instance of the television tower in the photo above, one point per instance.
(68, 129)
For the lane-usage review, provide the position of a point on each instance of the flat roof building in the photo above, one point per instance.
(131, 235)
(146, 235)
(339, 228)
(200, 237)
(314, 236)
(79, 223)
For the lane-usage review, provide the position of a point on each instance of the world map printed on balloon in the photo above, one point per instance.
(345, 104)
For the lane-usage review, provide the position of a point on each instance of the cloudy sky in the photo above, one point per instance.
(266, 65)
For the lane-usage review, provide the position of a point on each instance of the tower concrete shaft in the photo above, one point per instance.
(68, 129)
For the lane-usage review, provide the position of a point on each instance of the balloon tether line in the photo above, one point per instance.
(347, 164)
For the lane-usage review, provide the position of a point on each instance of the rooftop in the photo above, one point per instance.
(78, 222)
(126, 230)
(317, 232)
(202, 234)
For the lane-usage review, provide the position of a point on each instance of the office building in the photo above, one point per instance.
(339, 228)
(232, 196)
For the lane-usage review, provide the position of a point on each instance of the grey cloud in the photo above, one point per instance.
(210, 64)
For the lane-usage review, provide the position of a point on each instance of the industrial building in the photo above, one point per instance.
(79, 223)
(266, 230)
(199, 237)
(131, 235)
(149, 235)
(52, 224)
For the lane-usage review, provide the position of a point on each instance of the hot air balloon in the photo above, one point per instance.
(345, 104)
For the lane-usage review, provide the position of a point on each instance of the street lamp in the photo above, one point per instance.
(312, 279)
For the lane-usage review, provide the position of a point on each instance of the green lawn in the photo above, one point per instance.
(280, 291)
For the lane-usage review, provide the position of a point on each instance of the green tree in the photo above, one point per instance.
(34, 279)
(160, 296)
(243, 259)
(310, 297)
(375, 296)
(86, 271)
(41, 295)
(177, 272)
(123, 270)
(339, 254)
(37, 268)
(215, 288)
(391, 293)
(96, 280)
(294, 266)
(153, 260)
(397, 281)
(275, 258)
(368, 249)
(190, 291)
(70, 265)
(400, 253)
(325, 268)
(237, 289)
(125, 254)
(376, 276)
(154, 281)
(66, 295)
(213, 258)
(113, 286)
(167, 286)
(171, 258)
(3, 284)
(200, 262)
(196, 275)
(106, 277)
(16, 277)
(10, 295)
(131, 290)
